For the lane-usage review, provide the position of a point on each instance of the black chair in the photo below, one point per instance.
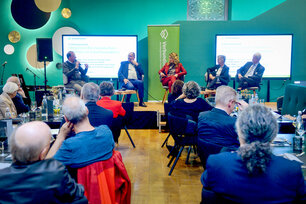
(129, 108)
(184, 133)
(167, 107)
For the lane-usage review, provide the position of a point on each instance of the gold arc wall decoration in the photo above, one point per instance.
(14, 36)
(66, 13)
(48, 5)
(32, 58)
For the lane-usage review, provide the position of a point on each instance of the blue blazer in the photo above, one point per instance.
(258, 72)
(227, 175)
(224, 75)
(124, 71)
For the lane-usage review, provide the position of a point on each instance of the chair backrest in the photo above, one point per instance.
(294, 99)
(129, 109)
(106, 181)
(181, 126)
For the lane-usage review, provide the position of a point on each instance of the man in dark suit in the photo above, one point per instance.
(33, 179)
(130, 76)
(97, 115)
(217, 75)
(251, 73)
(216, 128)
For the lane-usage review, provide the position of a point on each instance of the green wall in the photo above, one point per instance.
(197, 43)
(120, 17)
(248, 9)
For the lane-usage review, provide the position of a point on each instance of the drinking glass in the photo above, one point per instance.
(3, 138)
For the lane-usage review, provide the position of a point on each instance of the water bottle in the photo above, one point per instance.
(8, 113)
(44, 105)
(299, 121)
(256, 99)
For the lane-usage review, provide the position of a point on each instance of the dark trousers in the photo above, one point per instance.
(134, 84)
(245, 82)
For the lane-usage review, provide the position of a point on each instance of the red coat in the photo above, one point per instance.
(106, 181)
(115, 106)
(179, 70)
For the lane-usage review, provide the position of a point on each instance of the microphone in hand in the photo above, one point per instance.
(4, 63)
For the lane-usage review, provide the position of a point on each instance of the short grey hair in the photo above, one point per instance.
(10, 87)
(224, 94)
(74, 109)
(107, 88)
(191, 89)
(258, 55)
(90, 92)
(26, 153)
(222, 57)
(257, 127)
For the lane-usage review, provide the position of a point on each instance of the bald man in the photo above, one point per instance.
(31, 178)
(19, 99)
(251, 73)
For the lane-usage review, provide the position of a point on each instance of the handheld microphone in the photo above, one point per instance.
(4, 63)
(27, 69)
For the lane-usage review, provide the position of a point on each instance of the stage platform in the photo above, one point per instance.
(146, 117)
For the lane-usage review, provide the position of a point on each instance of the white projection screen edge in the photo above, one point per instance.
(102, 53)
(275, 50)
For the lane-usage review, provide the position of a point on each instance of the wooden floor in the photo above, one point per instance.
(148, 171)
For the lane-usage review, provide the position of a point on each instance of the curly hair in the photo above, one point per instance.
(257, 127)
(191, 89)
(175, 58)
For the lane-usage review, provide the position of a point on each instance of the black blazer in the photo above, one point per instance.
(224, 75)
(258, 72)
(124, 71)
(99, 115)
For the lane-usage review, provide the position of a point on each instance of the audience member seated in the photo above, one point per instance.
(253, 174)
(21, 107)
(106, 92)
(76, 75)
(6, 103)
(251, 73)
(189, 104)
(97, 115)
(176, 91)
(216, 128)
(89, 145)
(217, 75)
(31, 178)
(171, 71)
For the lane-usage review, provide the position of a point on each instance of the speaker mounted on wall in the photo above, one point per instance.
(44, 49)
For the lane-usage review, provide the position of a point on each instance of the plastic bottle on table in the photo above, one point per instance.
(44, 105)
(8, 114)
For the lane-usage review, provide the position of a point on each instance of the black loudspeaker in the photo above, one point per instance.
(44, 49)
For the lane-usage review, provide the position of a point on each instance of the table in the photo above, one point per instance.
(208, 93)
(280, 150)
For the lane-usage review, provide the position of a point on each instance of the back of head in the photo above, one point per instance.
(191, 89)
(224, 94)
(90, 92)
(14, 80)
(74, 109)
(106, 89)
(177, 87)
(28, 141)
(256, 128)
(10, 88)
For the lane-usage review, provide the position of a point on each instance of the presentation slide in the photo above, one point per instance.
(275, 52)
(103, 54)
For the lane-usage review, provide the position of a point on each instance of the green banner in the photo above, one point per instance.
(162, 40)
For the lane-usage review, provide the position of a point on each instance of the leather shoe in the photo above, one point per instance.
(142, 104)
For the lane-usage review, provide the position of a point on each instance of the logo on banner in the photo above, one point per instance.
(164, 34)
